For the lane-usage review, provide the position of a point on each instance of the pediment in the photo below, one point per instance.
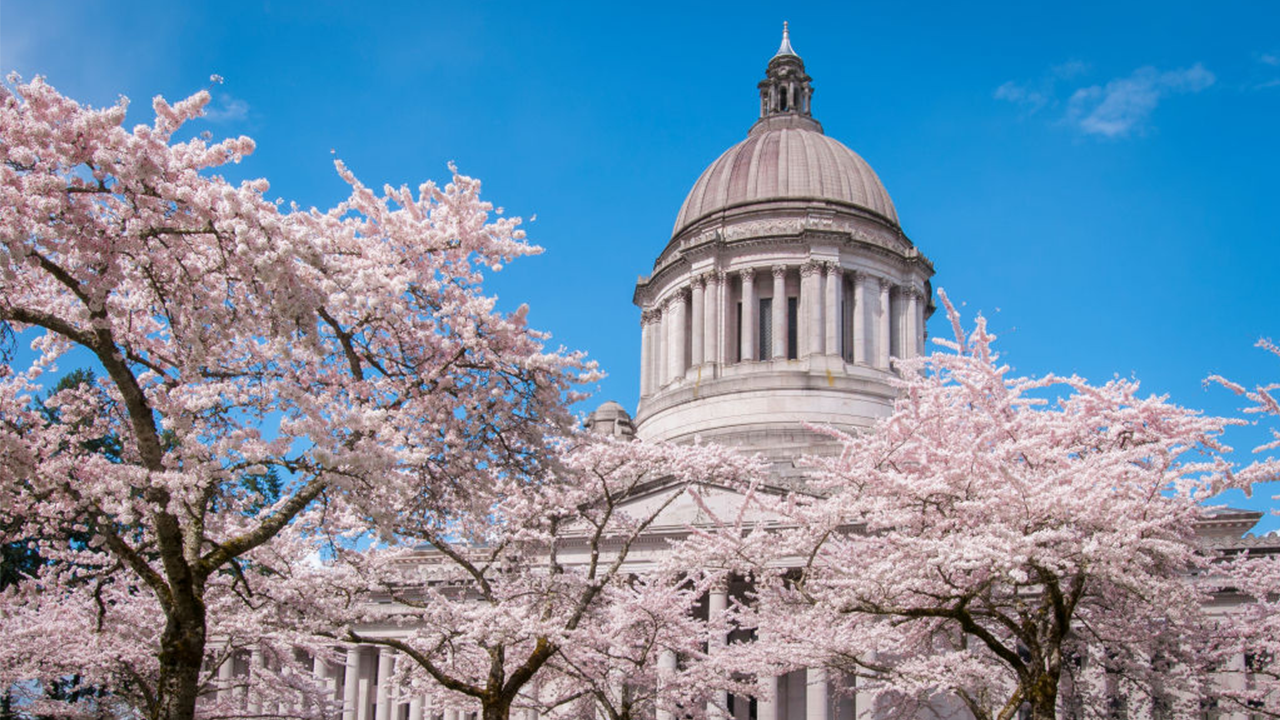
(677, 505)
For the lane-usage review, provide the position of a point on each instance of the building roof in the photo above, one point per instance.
(785, 163)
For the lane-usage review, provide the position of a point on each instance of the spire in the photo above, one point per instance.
(785, 47)
(785, 91)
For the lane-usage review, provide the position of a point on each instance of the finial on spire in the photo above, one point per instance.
(785, 47)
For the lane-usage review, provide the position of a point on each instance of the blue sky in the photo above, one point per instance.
(1098, 179)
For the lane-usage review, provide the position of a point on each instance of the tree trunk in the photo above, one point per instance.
(496, 710)
(181, 655)
(1043, 698)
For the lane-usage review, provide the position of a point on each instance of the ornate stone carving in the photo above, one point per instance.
(779, 271)
(761, 228)
(810, 269)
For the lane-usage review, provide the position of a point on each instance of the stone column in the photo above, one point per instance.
(897, 322)
(296, 704)
(386, 666)
(723, 317)
(883, 330)
(658, 358)
(861, 702)
(668, 340)
(646, 352)
(679, 333)
(417, 708)
(767, 704)
(365, 694)
(717, 605)
(815, 694)
(860, 301)
(910, 342)
(834, 279)
(779, 312)
(699, 286)
(666, 668)
(326, 678)
(921, 330)
(749, 323)
(253, 682)
(711, 305)
(227, 675)
(528, 696)
(351, 684)
(811, 321)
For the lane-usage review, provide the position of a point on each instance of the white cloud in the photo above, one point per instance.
(1269, 59)
(1069, 69)
(1124, 104)
(1031, 100)
(1034, 96)
(225, 108)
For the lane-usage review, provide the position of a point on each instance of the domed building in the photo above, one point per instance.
(785, 292)
(786, 288)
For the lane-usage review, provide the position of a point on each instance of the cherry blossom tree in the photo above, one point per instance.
(642, 651)
(498, 600)
(1246, 645)
(999, 543)
(348, 353)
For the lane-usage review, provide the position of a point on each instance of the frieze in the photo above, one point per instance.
(860, 237)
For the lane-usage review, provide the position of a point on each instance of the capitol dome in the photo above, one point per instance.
(788, 162)
(785, 293)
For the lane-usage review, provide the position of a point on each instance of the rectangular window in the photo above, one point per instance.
(793, 332)
(766, 328)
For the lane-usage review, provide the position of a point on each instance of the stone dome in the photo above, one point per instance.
(785, 163)
(610, 419)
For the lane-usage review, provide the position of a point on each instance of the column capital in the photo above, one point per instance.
(810, 269)
(832, 268)
(698, 281)
(885, 283)
(718, 276)
(778, 271)
(748, 275)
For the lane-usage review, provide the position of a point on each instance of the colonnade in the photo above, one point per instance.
(820, 702)
(360, 685)
(716, 319)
